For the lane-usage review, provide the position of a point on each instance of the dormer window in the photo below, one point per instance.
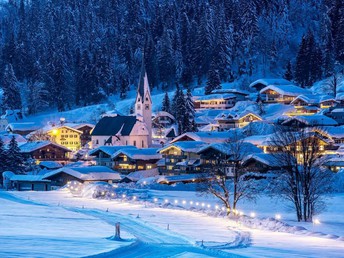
(146, 99)
(139, 99)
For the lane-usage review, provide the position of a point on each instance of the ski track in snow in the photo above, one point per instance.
(167, 244)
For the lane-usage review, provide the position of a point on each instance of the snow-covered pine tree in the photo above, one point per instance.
(288, 74)
(166, 103)
(11, 97)
(214, 81)
(3, 157)
(190, 125)
(37, 97)
(15, 159)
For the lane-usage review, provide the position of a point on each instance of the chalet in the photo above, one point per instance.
(215, 101)
(45, 150)
(6, 138)
(64, 135)
(103, 154)
(260, 162)
(336, 114)
(10, 116)
(227, 152)
(281, 93)
(180, 157)
(22, 128)
(309, 121)
(227, 121)
(62, 176)
(86, 130)
(309, 104)
(49, 165)
(132, 159)
(163, 127)
(262, 83)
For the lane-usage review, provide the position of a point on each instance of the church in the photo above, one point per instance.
(135, 130)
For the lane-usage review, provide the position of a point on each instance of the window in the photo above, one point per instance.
(134, 143)
(138, 107)
(147, 107)
(142, 143)
(97, 142)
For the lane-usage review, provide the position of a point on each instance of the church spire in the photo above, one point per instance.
(143, 87)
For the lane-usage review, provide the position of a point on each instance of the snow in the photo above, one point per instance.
(289, 90)
(6, 138)
(215, 96)
(270, 81)
(314, 120)
(148, 220)
(29, 178)
(32, 146)
(139, 154)
(229, 149)
(37, 230)
(186, 146)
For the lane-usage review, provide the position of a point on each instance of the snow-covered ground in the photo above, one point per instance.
(148, 222)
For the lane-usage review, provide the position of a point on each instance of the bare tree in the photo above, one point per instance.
(229, 181)
(302, 180)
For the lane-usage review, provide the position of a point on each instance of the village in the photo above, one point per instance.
(130, 148)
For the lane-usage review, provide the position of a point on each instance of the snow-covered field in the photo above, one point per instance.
(89, 220)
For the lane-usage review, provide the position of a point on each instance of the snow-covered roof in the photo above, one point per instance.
(49, 128)
(6, 138)
(233, 91)
(231, 148)
(335, 131)
(180, 178)
(259, 128)
(138, 175)
(258, 140)
(313, 99)
(264, 158)
(50, 164)
(186, 146)
(29, 178)
(214, 96)
(28, 126)
(139, 154)
(91, 173)
(338, 110)
(32, 146)
(163, 114)
(314, 120)
(231, 115)
(207, 137)
(109, 150)
(270, 81)
(289, 90)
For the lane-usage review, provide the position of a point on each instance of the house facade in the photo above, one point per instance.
(215, 101)
(66, 136)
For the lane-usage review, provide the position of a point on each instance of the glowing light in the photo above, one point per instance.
(134, 197)
(155, 199)
(68, 182)
(55, 131)
(71, 187)
(123, 195)
(203, 204)
(191, 202)
(103, 193)
(252, 214)
(112, 194)
(223, 209)
(208, 205)
(216, 207)
(76, 189)
(176, 201)
(241, 213)
(197, 203)
(278, 216)
(144, 182)
(316, 221)
(166, 200)
(184, 202)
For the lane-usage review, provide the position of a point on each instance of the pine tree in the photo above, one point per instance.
(288, 74)
(11, 97)
(166, 103)
(3, 157)
(190, 125)
(15, 159)
(213, 81)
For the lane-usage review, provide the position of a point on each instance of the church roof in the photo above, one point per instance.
(122, 125)
(141, 88)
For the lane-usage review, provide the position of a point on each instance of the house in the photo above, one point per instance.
(260, 84)
(309, 104)
(128, 130)
(132, 159)
(336, 114)
(22, 128)
(215, 101)
(30, 183)
(312, 120)
(260, 162)
(103, 154)
(336, 133)
(62, 176)
(163, 127)
(64, 135)
(86, 130)
(45, 151)
(6, 138)
(230, 120)
(213, 153)
(49, 165)
(281, 93)
(180, 157)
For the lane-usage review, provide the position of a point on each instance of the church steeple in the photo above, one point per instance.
(143, 104)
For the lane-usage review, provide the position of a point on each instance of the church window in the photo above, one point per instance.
(135, 143)
(97, 141)
(146, 99)
(147, 107)
(143, 145)
(138, 107)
